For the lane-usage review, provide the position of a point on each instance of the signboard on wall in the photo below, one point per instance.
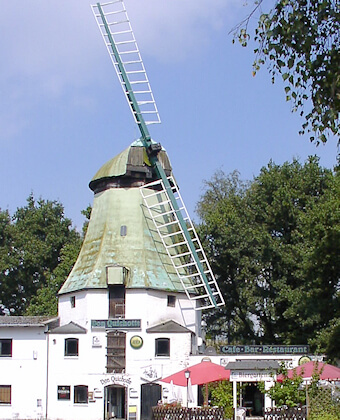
(116, 324)
(270, 350)
(250, 376)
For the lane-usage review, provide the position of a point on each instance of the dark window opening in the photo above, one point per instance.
(123, 230)
(162, 347)
(73, 301)
(80, 394)
(6, 347)
(71, 347)
(117, 301)
(171, 300)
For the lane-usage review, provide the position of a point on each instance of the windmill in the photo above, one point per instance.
(162, 199)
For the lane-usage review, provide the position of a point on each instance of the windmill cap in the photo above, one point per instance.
(129, 168)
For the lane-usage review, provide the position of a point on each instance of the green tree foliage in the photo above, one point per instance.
(274, 245)
(300, 40)
(38, 247)
(221, 394)
(288, 392)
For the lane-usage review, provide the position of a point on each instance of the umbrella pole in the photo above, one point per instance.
(205, 395)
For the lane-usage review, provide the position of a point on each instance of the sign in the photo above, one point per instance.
(265, 350)
(150, 373)
(64, 392)
(250, 376)
(136, 342)
(115, 324)
(116, 379)
(304, 359)
(96, 341)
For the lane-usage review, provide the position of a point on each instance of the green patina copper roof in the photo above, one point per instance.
(114, 167)
(118, 165)
(140, 251)
(120, 234)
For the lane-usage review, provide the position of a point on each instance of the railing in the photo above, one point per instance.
(291, 413)
(183, 413)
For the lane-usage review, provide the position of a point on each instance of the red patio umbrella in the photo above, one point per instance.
(200, 374)
(327, 372)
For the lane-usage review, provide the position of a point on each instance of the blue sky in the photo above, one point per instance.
(63, 114)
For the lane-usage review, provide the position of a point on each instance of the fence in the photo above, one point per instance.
(291, 413)
(324, 403)
(183, 413)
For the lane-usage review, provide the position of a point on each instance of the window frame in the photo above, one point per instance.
(6, 341)
(3, 389)
(77, 390)
(160, 342)
(68, 342)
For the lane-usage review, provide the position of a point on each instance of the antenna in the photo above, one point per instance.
(177, 233)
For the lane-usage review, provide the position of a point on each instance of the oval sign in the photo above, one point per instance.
(136, 342)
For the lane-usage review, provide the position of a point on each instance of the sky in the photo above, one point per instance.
(63, 113)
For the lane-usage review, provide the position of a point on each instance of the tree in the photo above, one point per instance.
(38, 247)
(288, 392)
(274, 246)
(300, 40)
(221, 393)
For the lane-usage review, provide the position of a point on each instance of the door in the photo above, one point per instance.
(151, 394)
(116, 349)
(114, 401)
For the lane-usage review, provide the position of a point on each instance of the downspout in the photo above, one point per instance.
(47, 369)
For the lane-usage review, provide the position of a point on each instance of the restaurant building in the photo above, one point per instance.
(124, 320)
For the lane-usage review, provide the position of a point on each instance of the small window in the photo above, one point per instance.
(123, 230)
(171, 300)
(64, 392)
(6, 347)
(80, 394)
(5, 394)
(162, 347)
(73, 301)
(71, 347)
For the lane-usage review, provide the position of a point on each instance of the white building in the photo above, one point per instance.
(124, 320)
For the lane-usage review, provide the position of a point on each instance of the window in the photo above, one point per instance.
(6, 347)
(117, 301)
(73, 301)
(5, 394)
(162, 347)
(80, 394)
(71, 347)
(171, 300)
(64, 392)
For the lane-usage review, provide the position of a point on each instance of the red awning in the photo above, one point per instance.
(202, 373)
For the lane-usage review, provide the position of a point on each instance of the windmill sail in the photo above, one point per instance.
(204, 289)
(121, 44)
(177, 232)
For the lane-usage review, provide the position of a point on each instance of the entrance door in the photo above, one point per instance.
(151, 394)
(114, 402)
(253, 399)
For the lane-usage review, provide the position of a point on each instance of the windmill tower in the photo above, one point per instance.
(142, 267)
